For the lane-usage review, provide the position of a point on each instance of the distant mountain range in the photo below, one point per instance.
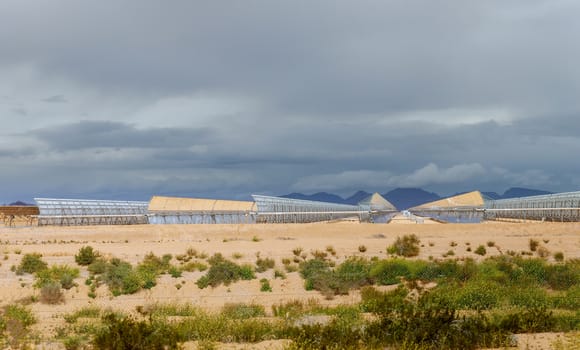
(405, 198)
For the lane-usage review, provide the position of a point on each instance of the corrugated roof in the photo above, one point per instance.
(19, 210)
(377, 202)
(470, 199)
(177, 204)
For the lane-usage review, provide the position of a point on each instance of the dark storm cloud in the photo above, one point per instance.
(221, 98)
(99, 134)
(55, 99)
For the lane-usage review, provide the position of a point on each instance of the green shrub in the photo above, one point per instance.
(193, 266)
(57, 273)
(533, 245)
(224, 271)
(389, 272)
(478, 295)
(408, 246)
(18, 313)
(263, 265)
(51, 293)
(243, 311)
(85, 312)
(86, 256)
(562, 277)
(175, 272)
(353, 273)
(122, 278)
(265, 285)
(31, 263)
(99, 266)
(121, 332)
(480, 250)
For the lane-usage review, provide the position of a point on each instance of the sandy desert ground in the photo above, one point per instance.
(58, 245)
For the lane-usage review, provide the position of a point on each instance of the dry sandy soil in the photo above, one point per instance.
(58, 245)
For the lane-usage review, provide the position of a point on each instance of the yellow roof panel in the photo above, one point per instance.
(471, 199)
(160, 203)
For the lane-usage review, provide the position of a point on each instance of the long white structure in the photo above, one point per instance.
(288, 210)
(552, 207)
(70, 212)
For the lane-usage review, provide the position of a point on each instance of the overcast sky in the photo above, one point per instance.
(131, 98)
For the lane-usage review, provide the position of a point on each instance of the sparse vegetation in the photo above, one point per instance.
(224, 271)
(559, 256)
(480, 250)
(362, 248)
(407, 246)
(263, 265)
(86, 256)
(31, 263)
(533, 244)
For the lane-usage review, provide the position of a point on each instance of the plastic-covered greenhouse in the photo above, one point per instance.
(463, 208)
(174, 210)
(551, 207)
(287, 210)
(69, 212)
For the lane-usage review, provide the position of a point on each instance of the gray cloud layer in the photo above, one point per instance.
(217, 98)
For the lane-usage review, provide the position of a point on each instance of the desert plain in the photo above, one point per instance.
(243, 244)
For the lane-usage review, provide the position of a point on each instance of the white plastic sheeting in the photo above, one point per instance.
(70, 212)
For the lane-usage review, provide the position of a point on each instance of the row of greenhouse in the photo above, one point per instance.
(176, 210)
(469, 207)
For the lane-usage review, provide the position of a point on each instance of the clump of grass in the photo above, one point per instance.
(559, 256)
(237, 255)
(223, 271)
(63, 275)
(243, 311)
(490, 244)
(85, 312)
(279, 274)
(31, 263)
(51, 293)
(265, 285)
(450, 252)
(480, 250)
(263, 265)
(542, 252)
(194, 266)
(468, 249)
(362, 248)
(330, 249)
(407, 246)
(319, 254)
(256, 239)
(533, 245)
(86, 256)
(297, 251)
(453, 244)
(286, 261)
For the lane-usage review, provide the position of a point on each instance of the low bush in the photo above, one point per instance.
(387, 272)
(533, 244)
(31, 263)
(480, 250)
(51, 293)
(243, 311)
(122, 332)
(86, 256)
(223, 271)
(407, 246)
(62, 274)
(265, 285)
(263, 265)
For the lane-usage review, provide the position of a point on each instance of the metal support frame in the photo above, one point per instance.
(78, 212)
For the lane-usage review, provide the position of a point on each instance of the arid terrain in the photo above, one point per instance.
(243, 244)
